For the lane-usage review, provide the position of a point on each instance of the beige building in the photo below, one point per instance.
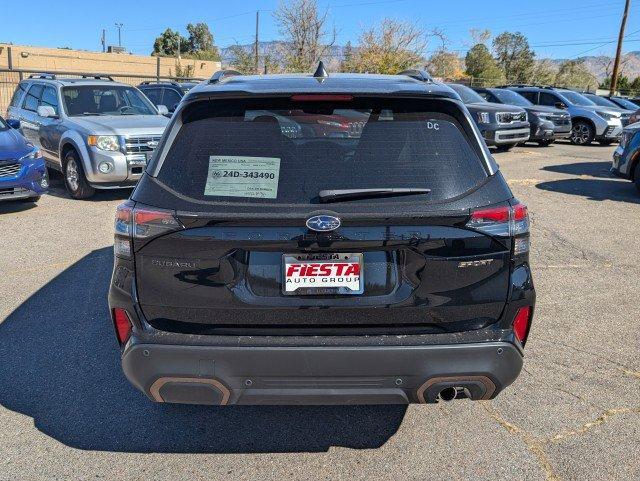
(123, 67)
(40, 59)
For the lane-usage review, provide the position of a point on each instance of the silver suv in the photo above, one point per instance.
(590, 121)
(97, 132)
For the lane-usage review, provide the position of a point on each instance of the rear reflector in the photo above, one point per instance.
(122, 324)
(521, 323)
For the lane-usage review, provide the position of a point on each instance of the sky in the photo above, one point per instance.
(555, 28)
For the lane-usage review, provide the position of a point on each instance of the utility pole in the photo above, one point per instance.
(119, 27)
(255, 46)
(616, 63)
(103, 40)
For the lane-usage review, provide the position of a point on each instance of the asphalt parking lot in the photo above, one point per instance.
(67, 412)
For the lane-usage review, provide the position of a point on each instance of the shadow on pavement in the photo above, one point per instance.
(14, 206)
(58, 189)
(595, 189)
(60, 366)
(592, 169)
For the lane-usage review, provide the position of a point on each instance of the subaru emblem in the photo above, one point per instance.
(323, 223)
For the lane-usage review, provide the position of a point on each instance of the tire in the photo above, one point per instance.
(74, 179)
(582, 133)
(545, 143)
(505, 147)
(607, 142)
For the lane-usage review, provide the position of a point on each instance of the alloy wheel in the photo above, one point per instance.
(581, 133)
(72, 175)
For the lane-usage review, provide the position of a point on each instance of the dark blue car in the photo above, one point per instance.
(23, 174)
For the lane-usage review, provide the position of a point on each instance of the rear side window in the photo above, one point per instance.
(50, 98)
(153, 95)
(548, 99)
(17, 95)
(282, 152)
(32, 99)
(171, 98)
(530, 96)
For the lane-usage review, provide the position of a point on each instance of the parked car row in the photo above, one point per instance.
(97, 132)
(100, 134)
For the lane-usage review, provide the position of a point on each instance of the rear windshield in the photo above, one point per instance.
(281, 152)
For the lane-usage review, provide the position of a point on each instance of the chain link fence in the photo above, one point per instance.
(10, 78)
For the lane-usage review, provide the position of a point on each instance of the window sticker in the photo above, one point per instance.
(240, 176)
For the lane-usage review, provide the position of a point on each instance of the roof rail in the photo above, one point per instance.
(99, 77)
(520, 85)
(222, 74)
(149, 82)
(48, 76)
(417, 74)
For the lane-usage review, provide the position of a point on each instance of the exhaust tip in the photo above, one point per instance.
(447, 394)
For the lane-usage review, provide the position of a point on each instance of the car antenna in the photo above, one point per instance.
(321, 72)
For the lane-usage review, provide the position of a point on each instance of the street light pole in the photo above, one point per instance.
(616, 63)
(119, 27)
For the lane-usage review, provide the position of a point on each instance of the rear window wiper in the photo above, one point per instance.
(337, 195)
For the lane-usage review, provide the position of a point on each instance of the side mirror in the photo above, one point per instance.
(47, 111)
(560, 105)
(163, 110)
(13, 123)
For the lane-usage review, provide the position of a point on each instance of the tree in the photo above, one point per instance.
(446, 65)
(574, 73)
(514, 56)
(544, 72)
(242, 60)
(201, 44)
(200, 37)
(305, 32)
(167, 44)
(480, 64)
(480, 35)
(622, 85)
(198, 46)
(346, 64)
(634, 88)
(391, 47)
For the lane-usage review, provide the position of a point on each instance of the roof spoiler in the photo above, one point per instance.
(421, 75)
(222, 74)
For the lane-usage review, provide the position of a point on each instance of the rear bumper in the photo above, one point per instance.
(319, 375)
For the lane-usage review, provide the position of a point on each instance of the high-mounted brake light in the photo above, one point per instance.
(321, 98)
(140, 222)
(122, 324)
(504, 221)
(521, 323)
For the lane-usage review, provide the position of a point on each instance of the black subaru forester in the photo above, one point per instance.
(321, 239)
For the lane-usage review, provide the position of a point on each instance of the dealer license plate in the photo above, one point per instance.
(318, 274)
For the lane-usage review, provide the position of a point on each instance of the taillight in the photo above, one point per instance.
(521, 323)
(504, 221)
(122, 324)
(140, 222)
